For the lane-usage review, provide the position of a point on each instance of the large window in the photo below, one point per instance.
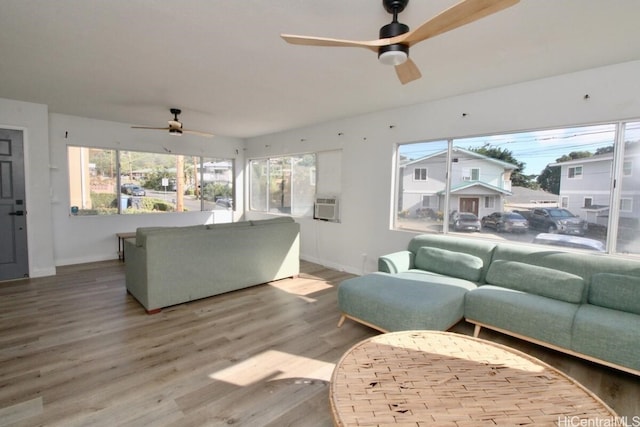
(104, 182)
(566, 173)
(283, 184)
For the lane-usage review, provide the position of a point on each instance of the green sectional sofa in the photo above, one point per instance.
(172, 265)
(587, 305)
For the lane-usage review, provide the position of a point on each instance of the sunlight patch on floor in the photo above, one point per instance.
(273, 365)
(303, 287)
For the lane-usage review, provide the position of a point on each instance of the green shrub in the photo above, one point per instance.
(103, 200)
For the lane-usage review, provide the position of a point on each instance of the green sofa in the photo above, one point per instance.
(172, 265)
(587, 305)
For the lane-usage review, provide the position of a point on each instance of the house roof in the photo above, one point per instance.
(469, 184)
(523, 195)
(632, 149)
(224, 64)
(595, 158)
(506, 165)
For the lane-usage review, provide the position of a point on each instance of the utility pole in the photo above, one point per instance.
(179, 183)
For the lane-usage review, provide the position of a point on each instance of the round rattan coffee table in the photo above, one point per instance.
(420, 378)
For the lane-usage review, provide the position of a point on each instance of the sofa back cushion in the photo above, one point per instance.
(461, 245)
(456, 264)
(616, 291)
(533, 279)
(276, 220)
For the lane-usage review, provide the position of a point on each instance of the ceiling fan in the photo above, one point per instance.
(175, 126)
(396, 38)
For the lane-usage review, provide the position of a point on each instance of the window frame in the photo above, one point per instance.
(419, 170)
(617, 134)
(575, 174)
(268, 161)
(118, 153)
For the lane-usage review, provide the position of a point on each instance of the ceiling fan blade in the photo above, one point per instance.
(195, 132)
(148, 127)
(465, 12)
(324, 41)
(408, 71)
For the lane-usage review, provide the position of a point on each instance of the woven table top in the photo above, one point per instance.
(430, 378)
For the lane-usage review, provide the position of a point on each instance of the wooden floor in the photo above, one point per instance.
(77, 350)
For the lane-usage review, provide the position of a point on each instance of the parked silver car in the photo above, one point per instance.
(569, 241)
(465, 221)
(510, 222)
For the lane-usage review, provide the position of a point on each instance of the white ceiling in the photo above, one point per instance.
(225, 65)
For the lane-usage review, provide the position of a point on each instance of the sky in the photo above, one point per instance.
(536, 149)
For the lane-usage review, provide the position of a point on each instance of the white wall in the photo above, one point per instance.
(33, 120)
(368, 149)
(79, 239)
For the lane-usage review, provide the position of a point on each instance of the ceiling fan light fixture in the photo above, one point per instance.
(175, 132)
(393, 57)
(393, 54)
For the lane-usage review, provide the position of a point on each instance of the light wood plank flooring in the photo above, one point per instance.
(77, 350)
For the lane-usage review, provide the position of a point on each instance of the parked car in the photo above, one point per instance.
(557, 220)
(506, 221)
(224, 202)
(124, 188)
(465, 221)
(569, 241)
(138, 191)
(132, 190)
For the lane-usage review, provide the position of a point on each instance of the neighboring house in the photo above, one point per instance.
(585, 186)
(527, 198)
(478, 183)
(218, 171)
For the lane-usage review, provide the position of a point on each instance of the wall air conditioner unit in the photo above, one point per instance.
(326, 209)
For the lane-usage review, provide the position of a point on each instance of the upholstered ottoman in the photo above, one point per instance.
(410, 300)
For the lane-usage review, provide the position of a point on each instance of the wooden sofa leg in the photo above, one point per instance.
(476, 331)
(341, 321)
(154, 311)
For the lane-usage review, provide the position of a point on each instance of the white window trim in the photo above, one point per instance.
(426, 174)
(575, 176)
(471, 174)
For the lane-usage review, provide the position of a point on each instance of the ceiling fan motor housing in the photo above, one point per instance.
(393, 29)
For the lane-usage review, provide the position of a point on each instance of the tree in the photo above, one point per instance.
(549, 178)
(605, 150)
(518, 179)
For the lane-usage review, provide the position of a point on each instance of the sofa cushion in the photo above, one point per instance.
(456, 264)
(221, 225)
(405, 301)
(523, 313)
(616, 291)
(607, 334)
(276, 220)
(546, 282)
